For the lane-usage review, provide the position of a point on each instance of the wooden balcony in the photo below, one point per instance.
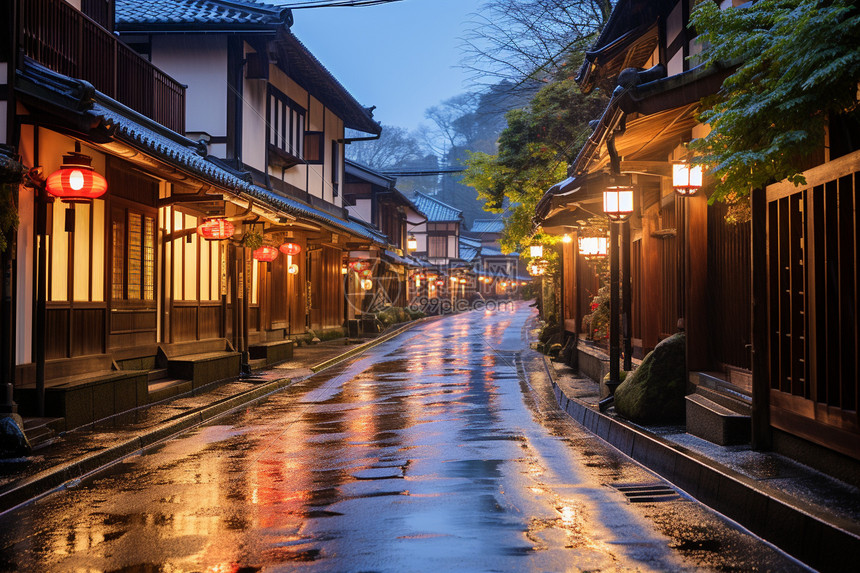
(65, 40)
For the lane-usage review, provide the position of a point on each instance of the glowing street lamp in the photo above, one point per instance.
(536, 251)
(592, 247)
(618, 197)
(686, 178)
(411, 243)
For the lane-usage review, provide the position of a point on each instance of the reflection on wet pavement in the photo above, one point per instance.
(427, 453)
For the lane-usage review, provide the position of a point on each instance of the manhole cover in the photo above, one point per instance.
(647, 492)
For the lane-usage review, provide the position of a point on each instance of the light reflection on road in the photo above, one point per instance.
(419, 455)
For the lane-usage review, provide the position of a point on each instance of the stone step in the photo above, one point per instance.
(736, 403)
(717, 424)
(203, 368)
(156, 374)
(272, 352)
(167, 388)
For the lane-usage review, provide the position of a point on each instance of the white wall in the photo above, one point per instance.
(362, 210)
(254, 127)
(199, 61)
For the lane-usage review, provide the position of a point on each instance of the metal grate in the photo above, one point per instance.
(647, 492)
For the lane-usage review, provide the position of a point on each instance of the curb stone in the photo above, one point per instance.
(826, 543)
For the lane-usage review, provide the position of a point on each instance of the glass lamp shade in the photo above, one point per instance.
(536, 251)
(592, 246)
(618, 202)
(215, 229)
(76, 180)
(411, 243)
(686, 178)
(290, 249)
(266, 254)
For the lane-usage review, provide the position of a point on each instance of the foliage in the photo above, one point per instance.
(533, 154)
(8, 212)
(516, 40)
(799, 64)
(596, 323)
(252, 239)
(395, 148)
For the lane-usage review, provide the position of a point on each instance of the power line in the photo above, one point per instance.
(335, 3)
(422, 172)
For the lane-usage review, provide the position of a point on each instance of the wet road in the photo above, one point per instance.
(432, 452)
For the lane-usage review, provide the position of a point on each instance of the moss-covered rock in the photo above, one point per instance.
(654, 392)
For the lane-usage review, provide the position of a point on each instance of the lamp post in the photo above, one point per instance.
(618, 206)
(686, 181)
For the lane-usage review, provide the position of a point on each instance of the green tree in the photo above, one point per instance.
(799, 66)
(534, 151)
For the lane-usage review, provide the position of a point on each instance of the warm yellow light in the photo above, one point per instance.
(453, 279)
(686, 178)
(567, 238)
(412, 243)
(618, 202)
(592, 246)
(536, 251)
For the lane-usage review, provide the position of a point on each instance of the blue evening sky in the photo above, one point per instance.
(402, 57)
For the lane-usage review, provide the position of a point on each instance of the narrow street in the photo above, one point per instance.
(434, 451)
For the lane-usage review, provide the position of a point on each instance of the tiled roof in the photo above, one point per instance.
(436, 210)
(144, 134)
(470, 242)
(488, 225)
(240, 13)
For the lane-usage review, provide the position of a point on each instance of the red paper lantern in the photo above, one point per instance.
(359, 266)
(215, 229)
(76, 180)
(290, 249)
(266, 254)
(366, 273)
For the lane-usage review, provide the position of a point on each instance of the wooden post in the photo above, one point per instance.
(626, 297)
(761, 432)
(695, 282)
(614, 307)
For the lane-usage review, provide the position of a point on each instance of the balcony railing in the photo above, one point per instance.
(65, 40)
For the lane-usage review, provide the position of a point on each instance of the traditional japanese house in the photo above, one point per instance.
(690, 268)
(374, 199)
(152, 288)
(501, 275)
(438, 241)
(262, 103)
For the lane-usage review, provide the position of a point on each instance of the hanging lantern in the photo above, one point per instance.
(411, 243)
(618, 197)
(592, 246)
(686, 178)
(343, 270)
(567, 238)
(367, 284)
(359, 266)
(266, 254)
(367, 273)
(76, 180)
(462, 281)
(290, 249)
(440, 282)
(524, 283)
(293, 269)
(453, 279)
(504, 284)
(215, 229)
(536, 251)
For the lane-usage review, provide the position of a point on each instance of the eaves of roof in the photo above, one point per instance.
(114, 121)
(310, 74)
(436, 210)
(646, 98)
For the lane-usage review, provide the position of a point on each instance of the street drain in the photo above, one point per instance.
(647, 492)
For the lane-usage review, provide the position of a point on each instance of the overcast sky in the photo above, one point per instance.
(401, 57)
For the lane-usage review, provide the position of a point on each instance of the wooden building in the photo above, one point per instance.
(373, 198)
(689, 267)
(132, 303)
